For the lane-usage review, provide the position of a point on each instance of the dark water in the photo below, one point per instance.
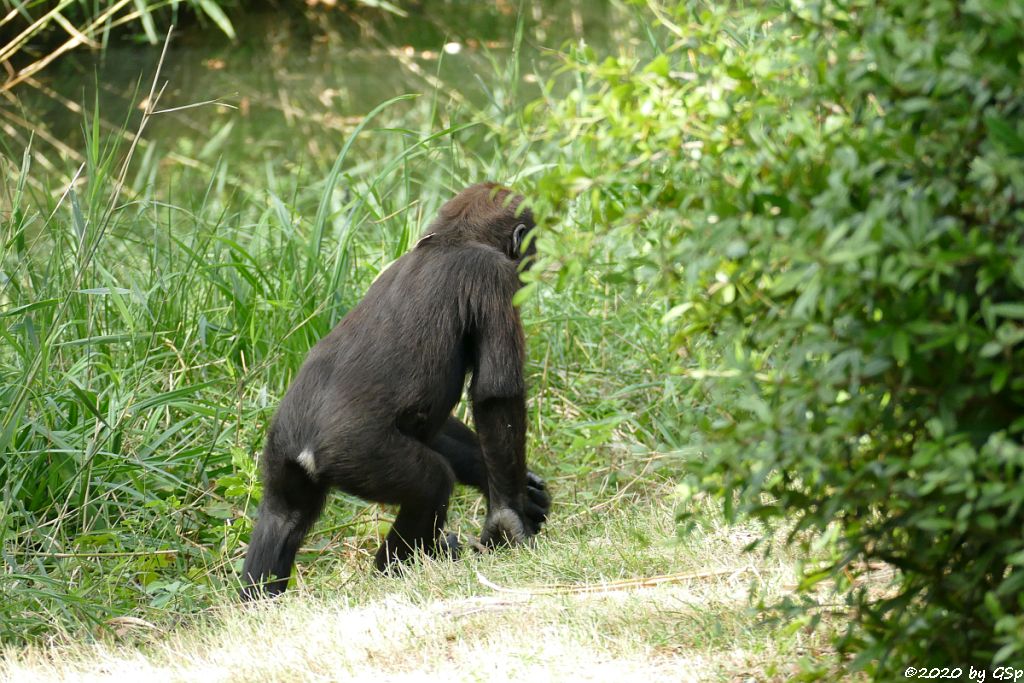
(294, 85)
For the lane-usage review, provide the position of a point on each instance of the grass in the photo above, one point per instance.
(149, 331)
(144, 345)
(551, 612)
(153, 313)
(147, 344)
(83, 24)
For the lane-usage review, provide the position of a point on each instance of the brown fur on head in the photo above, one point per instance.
(486, 213)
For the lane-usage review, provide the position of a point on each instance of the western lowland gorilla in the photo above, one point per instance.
(370, 411)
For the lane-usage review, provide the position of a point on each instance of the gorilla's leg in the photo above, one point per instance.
(461, 448)
(291, 503)
(420, 481)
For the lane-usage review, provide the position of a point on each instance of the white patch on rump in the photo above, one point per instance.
(305, 459)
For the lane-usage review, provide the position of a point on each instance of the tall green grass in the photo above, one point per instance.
(146, 337)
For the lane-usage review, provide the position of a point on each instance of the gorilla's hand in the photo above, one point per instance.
(505, 526)
(448, 546)
(538, 503)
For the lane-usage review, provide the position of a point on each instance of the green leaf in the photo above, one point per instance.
(147, 21)
(1004, 134)
(25, 308)
(999, 378)
(992, 348)
(913, 105)
(901, 346)
(216, 14)
(1008, 310)
(935, 524)
(659, 65)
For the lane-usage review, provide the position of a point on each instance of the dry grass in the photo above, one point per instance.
(547, 639)
(529, 621)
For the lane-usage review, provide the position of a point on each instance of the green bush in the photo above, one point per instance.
(833, 193)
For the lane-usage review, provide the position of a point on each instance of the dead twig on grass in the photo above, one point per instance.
(612, 586)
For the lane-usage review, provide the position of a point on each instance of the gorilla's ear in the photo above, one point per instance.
(518, 235)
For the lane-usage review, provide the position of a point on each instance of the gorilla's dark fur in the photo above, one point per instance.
(370, 410)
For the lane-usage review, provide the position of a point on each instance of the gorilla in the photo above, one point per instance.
(370, 411)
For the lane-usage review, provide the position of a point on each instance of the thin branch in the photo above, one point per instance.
(217, 102)
(626, 584)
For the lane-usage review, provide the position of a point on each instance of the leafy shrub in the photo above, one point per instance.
(833, 192)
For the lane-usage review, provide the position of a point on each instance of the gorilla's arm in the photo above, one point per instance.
(498, 394)
(461, 448)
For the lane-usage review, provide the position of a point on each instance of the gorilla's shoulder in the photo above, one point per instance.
(470, 258)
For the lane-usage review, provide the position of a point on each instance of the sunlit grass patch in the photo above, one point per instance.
(567, 608)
